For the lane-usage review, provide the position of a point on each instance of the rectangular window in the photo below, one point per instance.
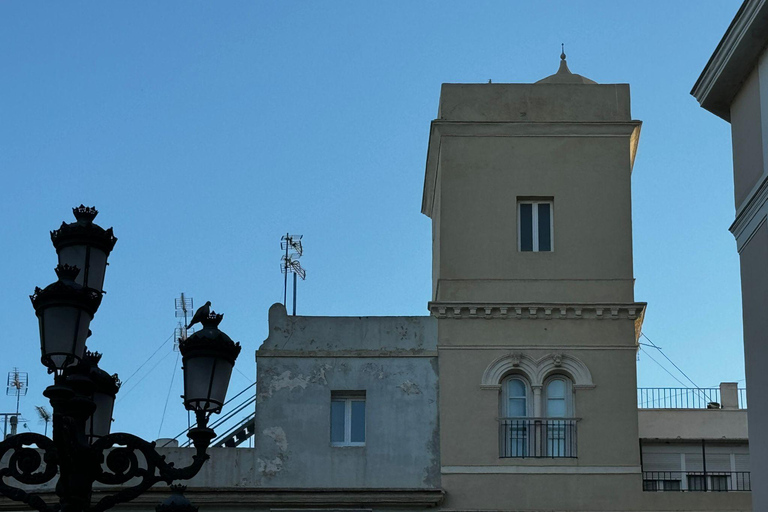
(534, 226)
(348, 418)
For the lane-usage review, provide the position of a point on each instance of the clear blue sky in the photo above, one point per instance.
(204, 130)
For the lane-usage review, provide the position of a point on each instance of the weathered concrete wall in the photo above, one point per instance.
(392, 359)
(692, 424)
(534, 102)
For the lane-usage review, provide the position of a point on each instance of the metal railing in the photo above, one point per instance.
(537, 438)
(683, 398)
(691, 481)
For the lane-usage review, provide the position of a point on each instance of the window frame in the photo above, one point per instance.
(535, 224)
(347, 399)
(519, 445)
(567, 396)
(529, 407)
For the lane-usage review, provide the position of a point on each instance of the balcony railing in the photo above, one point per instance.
(683, 398)
(537, 438)
(713, 481)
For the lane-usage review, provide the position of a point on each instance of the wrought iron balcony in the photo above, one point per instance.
(689, 481)
(537, 438)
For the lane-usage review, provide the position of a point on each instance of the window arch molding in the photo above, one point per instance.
(537, 370)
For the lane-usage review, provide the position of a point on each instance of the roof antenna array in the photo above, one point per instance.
(18, 385)
(289, 264)
(184, 306)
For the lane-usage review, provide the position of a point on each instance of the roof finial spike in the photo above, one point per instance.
(562, 51)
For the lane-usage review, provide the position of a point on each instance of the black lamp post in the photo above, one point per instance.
(83, 451)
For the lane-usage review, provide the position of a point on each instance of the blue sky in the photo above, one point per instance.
(202, 131)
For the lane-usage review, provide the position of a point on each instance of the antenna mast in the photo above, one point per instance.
(290, 264)
(183, 307)
(18, 385)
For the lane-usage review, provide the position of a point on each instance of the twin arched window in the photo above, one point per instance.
(556, 400)
(537, 424)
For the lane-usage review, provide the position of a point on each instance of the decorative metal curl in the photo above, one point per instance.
(24, 465)
(123, 465)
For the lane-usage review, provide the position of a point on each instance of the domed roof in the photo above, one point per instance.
(564, 75)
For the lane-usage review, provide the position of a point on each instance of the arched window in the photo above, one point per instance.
(515, 408)
(516, 403)
(558, 403)
(560, 434)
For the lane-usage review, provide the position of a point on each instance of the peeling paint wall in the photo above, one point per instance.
(392, 359)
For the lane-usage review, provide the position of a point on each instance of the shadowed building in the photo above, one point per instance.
(734, 87)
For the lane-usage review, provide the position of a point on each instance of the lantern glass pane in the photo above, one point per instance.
(92, 263)
(197, 383)
(100, 423)
(97, 267)
(221, 378)
(63, 330)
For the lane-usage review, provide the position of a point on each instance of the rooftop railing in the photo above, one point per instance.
(684, 398)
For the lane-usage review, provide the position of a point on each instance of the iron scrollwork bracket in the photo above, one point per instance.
(27, 466)
(123, 465)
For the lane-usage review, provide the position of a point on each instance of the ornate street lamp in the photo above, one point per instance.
(83, 451)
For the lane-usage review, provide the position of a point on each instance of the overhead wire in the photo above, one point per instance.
(225, 404)
(668, 359)
(150, 357)
(168, 396)
(125, 393)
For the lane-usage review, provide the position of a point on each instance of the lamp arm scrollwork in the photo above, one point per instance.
(123, 465)
(24, 465)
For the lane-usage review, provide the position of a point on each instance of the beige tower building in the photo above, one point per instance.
(528, 188)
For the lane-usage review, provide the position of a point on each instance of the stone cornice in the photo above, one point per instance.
(752, 213)
(261, 353)
(440, 129)
(538, 311)
(211, 498)
(733, 59)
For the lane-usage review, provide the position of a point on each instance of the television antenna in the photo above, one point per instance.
(184, 306)
(289, 264)
(18, 385)
(44, 415)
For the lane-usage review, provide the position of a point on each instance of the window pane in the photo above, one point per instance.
(516, 388)
(337, 421)
(526, 227)
(556, 407)
(516, 408)
(545, 236)
(556, 389)
(358, 421)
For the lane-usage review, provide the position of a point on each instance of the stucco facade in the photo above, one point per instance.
(734, 86)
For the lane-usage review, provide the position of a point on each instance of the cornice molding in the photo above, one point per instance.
(440, 129)
(537, 311)
(732, 60)
(262, 353)
(752, 214)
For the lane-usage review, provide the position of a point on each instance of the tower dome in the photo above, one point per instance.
(564, 75)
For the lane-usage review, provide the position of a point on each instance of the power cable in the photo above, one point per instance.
(225, 404)
(168, 396)
(672, 362)
(124, 394)
(662, 367)
(150, 357)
